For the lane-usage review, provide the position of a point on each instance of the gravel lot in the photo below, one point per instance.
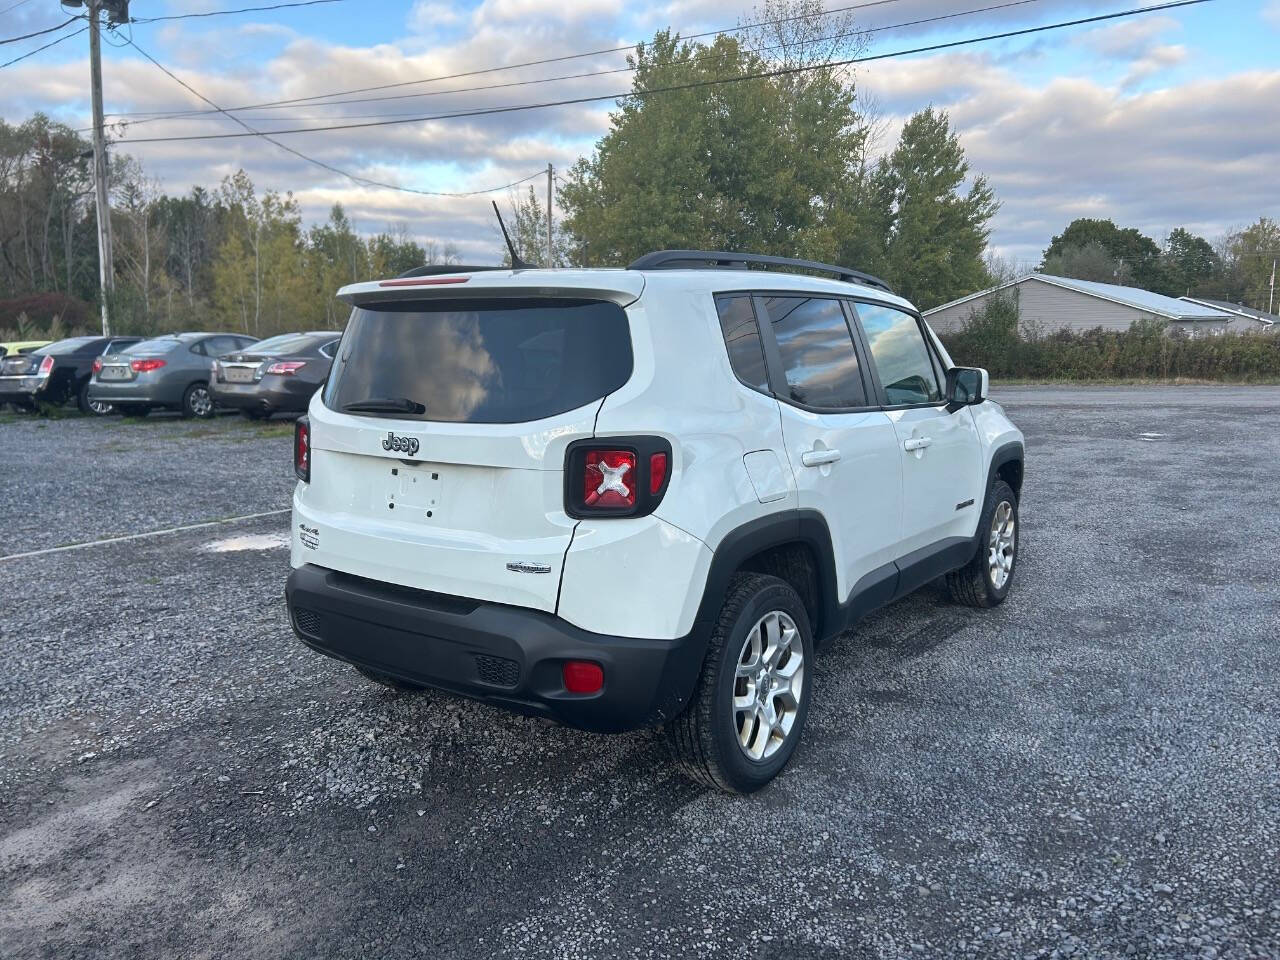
(1091, 770)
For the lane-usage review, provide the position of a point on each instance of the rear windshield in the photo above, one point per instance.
(66, 346)
(284, 344)
(482, 361)
(158, 345)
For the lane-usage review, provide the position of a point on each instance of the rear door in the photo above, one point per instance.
(938, 449)
(438, 444)
(842, 450)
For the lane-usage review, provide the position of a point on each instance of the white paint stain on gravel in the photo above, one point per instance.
(260, 541)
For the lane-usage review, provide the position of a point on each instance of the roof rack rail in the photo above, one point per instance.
(433, 269)
(720, 259)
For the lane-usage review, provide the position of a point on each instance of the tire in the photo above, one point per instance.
(89, 407)
(197, 401)
(705, 739)
(395, 683)
(978, 583)
(137, 410)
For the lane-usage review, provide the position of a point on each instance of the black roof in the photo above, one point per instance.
(727, 260)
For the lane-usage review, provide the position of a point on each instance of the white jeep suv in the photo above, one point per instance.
(640, 496)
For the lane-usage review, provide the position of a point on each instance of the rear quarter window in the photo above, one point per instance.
(482, 361)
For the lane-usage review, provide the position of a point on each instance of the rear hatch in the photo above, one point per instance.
(438, 444)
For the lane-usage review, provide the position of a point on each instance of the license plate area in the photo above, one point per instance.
(238, 374)
(415, 493)
(114, 373)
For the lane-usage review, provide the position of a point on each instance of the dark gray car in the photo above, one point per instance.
(170, 372)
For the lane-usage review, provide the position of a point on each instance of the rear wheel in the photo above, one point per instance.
(749, 705)
(94, 407)
(197, 401)
(985, 580)
(133, 409)
(395, 683)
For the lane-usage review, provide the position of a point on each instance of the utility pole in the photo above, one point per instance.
(550, 257)
(106, 270)
(1271, 297)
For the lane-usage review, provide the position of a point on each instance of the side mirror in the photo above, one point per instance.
(965, 386)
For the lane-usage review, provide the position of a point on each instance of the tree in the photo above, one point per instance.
(1091, 261)
(763, 164)
(1139, 254)
(1252, 252)
(932, 233)
(527, 225)
(393, 251)
(1190, 264)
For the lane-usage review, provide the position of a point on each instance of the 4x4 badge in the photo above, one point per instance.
(407, 445)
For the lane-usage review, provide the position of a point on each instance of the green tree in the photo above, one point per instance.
(527, 225)
(932, 233)
(1138, 252)
(1190, 264)
(1252, 252)
(1090, 261)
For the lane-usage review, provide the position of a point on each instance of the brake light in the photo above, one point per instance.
(609, 479)
(302, 449)
(146, 366)
(286, 367)
(657, 472)
(97, 364)
(616, 476)
(583, 676)
(423, 281)
(46, 366)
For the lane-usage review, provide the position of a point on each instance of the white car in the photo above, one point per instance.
(642, 496)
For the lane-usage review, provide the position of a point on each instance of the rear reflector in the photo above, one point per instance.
(286, 366)
(422, 281)
(583, 676)
(657, 472)
(302, 449)
(144, 366)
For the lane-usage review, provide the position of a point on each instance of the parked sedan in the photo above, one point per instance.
(57, 372)
(276, 375)
(170, 372)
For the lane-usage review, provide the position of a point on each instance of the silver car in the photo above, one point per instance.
(170, 372)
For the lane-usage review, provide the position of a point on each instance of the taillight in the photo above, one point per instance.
(583, 676)
(145, 366)
(302, 449)
(97, 364)
(286, 367)
(214, 374)
(46, 366)
(616, 476)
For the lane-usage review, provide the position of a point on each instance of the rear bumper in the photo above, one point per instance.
(22, 388)
(264, 395)
(511, 657)
(126, 392)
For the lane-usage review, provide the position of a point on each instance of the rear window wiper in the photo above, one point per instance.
(385, 405)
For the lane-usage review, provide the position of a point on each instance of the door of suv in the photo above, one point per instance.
(938, 450)
(842, 450)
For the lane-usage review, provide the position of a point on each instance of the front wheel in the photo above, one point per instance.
(985, 580)
(749, 704)
(197, 402)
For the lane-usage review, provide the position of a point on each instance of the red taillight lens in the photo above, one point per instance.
(609, 479)
(286, 366)
(302, 449)
(657, 472)
(46, 366)
(583, 676)
(97, 364)
(145, 366)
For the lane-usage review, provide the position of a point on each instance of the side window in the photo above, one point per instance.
(818, 357)
(900, 355)
(329, 349)
(742, 339)
(200, 347)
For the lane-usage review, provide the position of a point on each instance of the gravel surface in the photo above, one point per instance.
(1091, 770)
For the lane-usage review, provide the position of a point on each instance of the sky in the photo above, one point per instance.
(1161, 120)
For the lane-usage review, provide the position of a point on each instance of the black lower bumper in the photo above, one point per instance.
(511, 657)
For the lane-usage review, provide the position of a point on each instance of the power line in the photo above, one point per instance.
(706, 54)
(223, 13)
(321, 163)
(40, 33)
(52, 43)
(14, 6)
(629, 95)
(560, 59)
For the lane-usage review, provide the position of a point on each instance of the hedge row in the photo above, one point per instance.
(1146, 351)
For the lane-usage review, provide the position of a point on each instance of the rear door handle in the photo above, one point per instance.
(816, 458)
(916, 443)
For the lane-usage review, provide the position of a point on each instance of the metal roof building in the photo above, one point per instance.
(1048, 304)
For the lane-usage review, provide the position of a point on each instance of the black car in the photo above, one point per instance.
(276, 375)
(57, 372)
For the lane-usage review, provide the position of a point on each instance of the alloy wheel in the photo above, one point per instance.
(768, 684)
(201, 402)
(1001, 545)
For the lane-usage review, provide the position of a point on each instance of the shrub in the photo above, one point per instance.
(40, 309)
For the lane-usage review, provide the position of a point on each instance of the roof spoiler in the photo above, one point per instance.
(724, 260)
(434, 269)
